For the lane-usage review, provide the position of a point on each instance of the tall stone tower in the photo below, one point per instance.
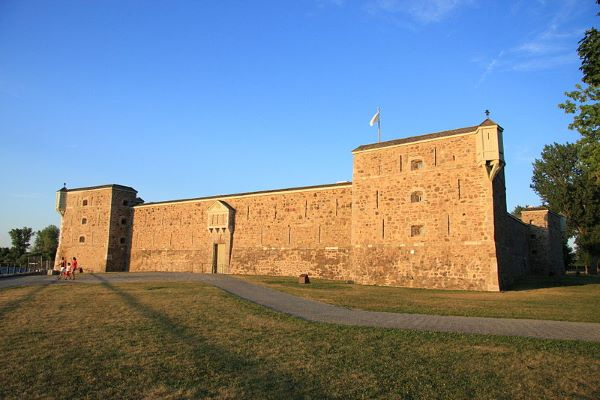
(423, 209)
(96, 226)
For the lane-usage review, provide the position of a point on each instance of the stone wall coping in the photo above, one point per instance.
(251, 194)
(426, 137)
(111, 186)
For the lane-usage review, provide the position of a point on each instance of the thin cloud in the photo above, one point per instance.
(421, 11)
(546, 49)
(541, 63)
(490, 67)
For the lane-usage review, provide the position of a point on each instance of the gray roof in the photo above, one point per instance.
(114, 186)
(435, 135)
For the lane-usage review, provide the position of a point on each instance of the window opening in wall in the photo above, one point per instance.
(123, 221)
(122, 240)
(416, 164)
(458, 185)
(435, 156)
(377, 199)
(383, 228)
(289, 234)
(125, 202)
(400, 164)
(336, 207)
(305, 208)
(81, 239)
(83, 221)
(416, 230)
(448, 224)
(319, 238)
(275, 212)
(416, 197)
(85, 202)
(247, 212)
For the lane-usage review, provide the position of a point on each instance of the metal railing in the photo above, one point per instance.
(33, 265)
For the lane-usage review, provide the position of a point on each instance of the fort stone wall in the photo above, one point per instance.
(91, 228)
(545, 240)
(423, 216)
(288, 232)
(426, 211)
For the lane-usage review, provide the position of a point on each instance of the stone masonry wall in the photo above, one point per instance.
(84, 228)
(276, 233)
(513, 250)
(431, 226)
(89, 217)
(545, 241)
(119, 240)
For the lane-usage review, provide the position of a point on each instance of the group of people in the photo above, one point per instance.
(68, 269)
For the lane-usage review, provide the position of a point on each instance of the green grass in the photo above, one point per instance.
(567, 298)
(188, 340)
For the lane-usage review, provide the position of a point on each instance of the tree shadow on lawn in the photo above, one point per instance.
(532, 282)
(16, 303)
(257, 379)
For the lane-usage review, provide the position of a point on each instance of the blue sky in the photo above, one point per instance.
(183, 99)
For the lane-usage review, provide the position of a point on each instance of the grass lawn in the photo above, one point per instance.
(189, 340)
(568, 298)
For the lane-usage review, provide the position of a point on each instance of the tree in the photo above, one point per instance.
(5, 255)
(562, 183)
(46, 241)
(583, 102)
(516, 212)
(20, 241)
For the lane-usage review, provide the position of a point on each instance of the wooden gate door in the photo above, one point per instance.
(222, 258)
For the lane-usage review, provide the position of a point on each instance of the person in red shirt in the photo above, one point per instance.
(74, 267)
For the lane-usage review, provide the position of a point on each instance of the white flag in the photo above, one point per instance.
(375, 118)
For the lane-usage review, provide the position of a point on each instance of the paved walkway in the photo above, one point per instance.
(319, 312)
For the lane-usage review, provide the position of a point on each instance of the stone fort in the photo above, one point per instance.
(426, 211)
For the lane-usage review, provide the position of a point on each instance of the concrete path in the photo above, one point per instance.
(319, 312)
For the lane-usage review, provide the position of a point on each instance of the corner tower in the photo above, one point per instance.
(423, 209)
(96, 226)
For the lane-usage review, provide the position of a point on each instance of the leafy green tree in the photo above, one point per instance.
(568, 188)
(516, 212)
(583, 102)
(46, 241)
(20, 238)
(5, 256)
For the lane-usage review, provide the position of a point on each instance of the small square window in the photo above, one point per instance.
(416, 230)
(83, 221)
(416, 197)
(122, 240)
(81, 239)
(416, 164)
(85, 202)
(125, 202)
(123, 221)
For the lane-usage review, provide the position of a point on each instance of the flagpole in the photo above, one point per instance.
(379, 125)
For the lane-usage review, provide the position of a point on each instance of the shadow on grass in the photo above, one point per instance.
(16, 303)
(258, 380)
(532, 282)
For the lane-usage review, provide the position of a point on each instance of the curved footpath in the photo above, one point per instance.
(319, 312)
